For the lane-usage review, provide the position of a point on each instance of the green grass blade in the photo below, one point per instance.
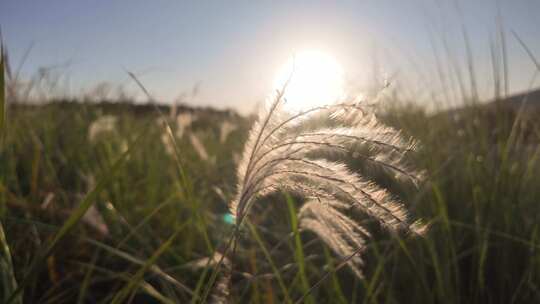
(113, 275)
(268, 257)
(86, 280)
(2, 94)
(136, 280)
(7, 275)
(73, 219)
(299, 250)
(154, 269)
(338, 292)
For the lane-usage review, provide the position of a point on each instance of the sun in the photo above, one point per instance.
(314, 79)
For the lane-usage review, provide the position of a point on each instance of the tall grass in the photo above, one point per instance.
(7, 273)
(168, 219)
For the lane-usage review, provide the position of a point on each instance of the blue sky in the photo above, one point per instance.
(231, 50)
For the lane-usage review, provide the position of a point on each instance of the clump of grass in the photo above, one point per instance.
(7, 275)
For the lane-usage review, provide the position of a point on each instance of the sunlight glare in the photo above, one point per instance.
(316, 79)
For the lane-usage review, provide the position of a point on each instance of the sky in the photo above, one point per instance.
(226, 53)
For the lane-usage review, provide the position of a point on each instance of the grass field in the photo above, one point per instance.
(99, 204)
(481, 199)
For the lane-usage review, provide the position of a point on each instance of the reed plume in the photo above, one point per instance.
(292, 151)
(281, 154)
(295, 152)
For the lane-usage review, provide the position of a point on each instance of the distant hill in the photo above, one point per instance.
(529, 100)
(499, 116)
(116, 107)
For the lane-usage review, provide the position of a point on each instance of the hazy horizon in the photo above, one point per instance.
(227, 55)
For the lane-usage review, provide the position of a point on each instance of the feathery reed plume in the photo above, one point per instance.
(198, 146)
(94, 219)
(291, 151)
(221, 291)
(184, 121)
(103, 124)
(206, 261)
(284, 152)
(336, 229)
(168, 143)
(226, 129)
